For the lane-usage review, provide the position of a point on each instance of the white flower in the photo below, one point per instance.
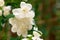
(2, 3)
(0, 12)
(36, 29)
(36, 36)
(23, 20)
(6, 10)
(25, 39)
(21, 26)
(24, 11)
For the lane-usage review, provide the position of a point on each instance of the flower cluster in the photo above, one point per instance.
(5, 10)
(23, 20)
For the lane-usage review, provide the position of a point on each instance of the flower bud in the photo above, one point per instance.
(2, 3)
(6, 10)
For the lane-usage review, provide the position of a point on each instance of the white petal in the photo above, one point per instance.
(31, 14)
(29, 6)
(19, 32)
(23, 4)
(7, 8)
(16, 11)
(6, 13)
(2, 3)
(14, 29)
(11, 20)
(0, 12)
(19, 16)
(30, 27)
(40, 33)
(24, 34)
(26, 6)
(39, 38)
(36, 34)
(36, 38)
(32, 22)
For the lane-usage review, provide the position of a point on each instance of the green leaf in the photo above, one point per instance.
(42, 28)
(14, 38)
(0, 28)
(0, 23)
(9, 16)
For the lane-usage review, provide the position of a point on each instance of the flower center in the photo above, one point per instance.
(25, 10)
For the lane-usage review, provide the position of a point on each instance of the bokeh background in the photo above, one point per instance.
(47, 18)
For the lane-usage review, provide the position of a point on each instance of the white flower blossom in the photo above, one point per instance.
(2, 3)
(21, 26)
(23, 20)
(6, 10)
(36, 29)
(0, 12)
(24, 11)
(36, 36)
